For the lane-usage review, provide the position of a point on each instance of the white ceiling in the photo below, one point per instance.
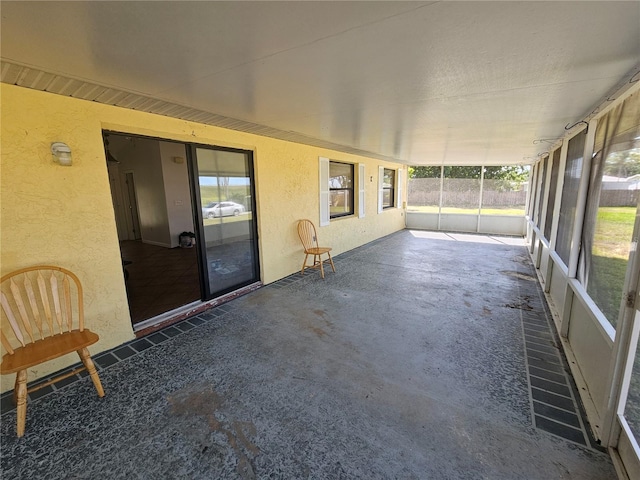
(421, 82)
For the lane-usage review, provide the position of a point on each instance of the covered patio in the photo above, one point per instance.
(426, 355)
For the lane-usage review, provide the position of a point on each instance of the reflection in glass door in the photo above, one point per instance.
(228, 239)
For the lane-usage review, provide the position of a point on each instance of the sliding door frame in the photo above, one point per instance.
(196, 199)
(192, 173)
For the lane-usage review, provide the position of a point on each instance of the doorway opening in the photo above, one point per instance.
(185, 221)
(152, 204)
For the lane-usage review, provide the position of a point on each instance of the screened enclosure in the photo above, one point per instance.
(584, 227)
(487, 199)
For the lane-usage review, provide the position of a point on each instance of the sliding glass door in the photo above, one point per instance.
(224, 188)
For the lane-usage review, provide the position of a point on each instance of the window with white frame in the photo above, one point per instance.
(386, 188)
(337, 184)
(341, 180)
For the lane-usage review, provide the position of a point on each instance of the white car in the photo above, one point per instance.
(222, 209)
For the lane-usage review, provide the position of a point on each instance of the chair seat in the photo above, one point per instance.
(42, 350)
(317, 250)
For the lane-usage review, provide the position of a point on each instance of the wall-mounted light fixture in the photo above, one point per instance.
(61, 153)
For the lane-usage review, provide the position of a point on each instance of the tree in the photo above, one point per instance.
(424, 172)
(223, 183)
(510, 173)
(623, 164)
(504, 178)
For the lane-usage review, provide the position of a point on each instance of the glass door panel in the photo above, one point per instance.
(228, 240)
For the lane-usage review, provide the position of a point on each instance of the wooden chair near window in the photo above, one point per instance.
(309, 238)
(43, 306)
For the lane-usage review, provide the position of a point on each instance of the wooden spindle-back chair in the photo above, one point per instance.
(309, 238)
(42, 319)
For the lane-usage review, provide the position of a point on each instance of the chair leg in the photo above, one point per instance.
(304, 263)
(20, 394)
(321, 266)
(331, 262)
(91, 368)
(15, 391)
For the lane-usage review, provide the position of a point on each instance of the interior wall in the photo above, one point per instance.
(118, 200)
(162, 187)
(77, 229)
(173, 158)
(142, 157)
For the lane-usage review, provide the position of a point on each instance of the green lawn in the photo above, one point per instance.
(234, 193)
(337, 210)
(471, 211)
(614, 229)
(611, 243)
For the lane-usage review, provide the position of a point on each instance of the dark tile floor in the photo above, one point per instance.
(426, 356)
(159, 279)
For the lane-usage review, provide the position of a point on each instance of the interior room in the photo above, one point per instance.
(152, 206)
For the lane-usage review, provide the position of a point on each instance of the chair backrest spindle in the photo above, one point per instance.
(56, 301)
(28, 288)
(5, 343)
(66, 288)
(12, 319)
(22, 310)
(45, 301)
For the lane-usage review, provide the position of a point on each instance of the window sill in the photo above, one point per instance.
(341, 217)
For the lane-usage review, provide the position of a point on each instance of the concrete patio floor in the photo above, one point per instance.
(425, 356)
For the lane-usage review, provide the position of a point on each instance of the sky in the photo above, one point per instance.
(244, 181)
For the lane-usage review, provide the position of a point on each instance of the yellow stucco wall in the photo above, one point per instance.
(64, 215)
